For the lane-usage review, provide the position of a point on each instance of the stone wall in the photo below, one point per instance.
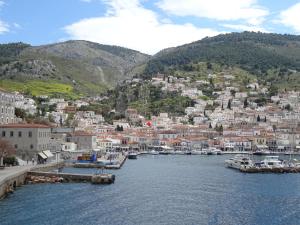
(11, 183)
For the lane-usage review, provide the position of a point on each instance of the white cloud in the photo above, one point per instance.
(242, 27)
(4, 27)
(88, 1)
(127, 23)
(291, 17)
(221, 10)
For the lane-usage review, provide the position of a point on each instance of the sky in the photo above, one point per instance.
(144, 25)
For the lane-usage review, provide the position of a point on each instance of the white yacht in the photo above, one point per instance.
(238, 161)
(153, 152)
(272, 162)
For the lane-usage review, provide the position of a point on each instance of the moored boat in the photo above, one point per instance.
(239, 161)
(272, 162)
(153, 152)
(262, 152)
(196, 152)
(132, 155)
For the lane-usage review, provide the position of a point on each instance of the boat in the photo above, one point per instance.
(179, 152)
(272, 162)
(153, 152)
(262, 152)
(215, 151)
(132, 155)
(209, 152)
(196, 152)
(172, 152)
(239, 161)
(164, 153)
(187, 152)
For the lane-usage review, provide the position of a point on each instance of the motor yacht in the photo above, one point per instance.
(272, 162)
(239, 161)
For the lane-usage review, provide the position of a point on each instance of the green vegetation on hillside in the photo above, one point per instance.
(88, 67)
(37, 88)
(257, 53)
(9, 52)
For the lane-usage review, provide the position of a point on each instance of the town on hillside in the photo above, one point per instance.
(224, 114)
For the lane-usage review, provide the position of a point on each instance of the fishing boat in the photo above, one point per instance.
(239, 161)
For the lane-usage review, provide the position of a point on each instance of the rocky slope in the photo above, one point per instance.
(89, 67)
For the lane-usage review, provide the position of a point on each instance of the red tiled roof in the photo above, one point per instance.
(24, 125)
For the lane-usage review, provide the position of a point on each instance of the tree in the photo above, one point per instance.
(6, 149)
(209, 66)
(229, 104)
(232, 92)
(288, 107)
(20, 113)
(246, 103)
(219, 128)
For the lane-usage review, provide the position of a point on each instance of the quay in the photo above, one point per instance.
(71, 177)
(270, 170)
(13, 177)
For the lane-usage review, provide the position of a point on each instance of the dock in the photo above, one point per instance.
(270, 170)
(70, 177)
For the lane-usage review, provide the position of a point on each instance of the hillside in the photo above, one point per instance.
(83, 67)
(273, 57)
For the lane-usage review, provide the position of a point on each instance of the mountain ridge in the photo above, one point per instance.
(89, 67)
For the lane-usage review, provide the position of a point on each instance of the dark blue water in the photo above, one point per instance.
(162, 190)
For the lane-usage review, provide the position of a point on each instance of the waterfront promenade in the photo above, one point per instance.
(14, 171)
(12, 177)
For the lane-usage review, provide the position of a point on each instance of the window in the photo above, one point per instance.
(11, 133)
(20, 133)
(29, 133)
(3, 134)
(16, 146)
(31, 146)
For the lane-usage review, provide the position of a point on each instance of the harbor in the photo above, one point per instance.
(200, 185)
(13, 177)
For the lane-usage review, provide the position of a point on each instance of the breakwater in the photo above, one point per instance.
(71, 177)
(270, 170)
